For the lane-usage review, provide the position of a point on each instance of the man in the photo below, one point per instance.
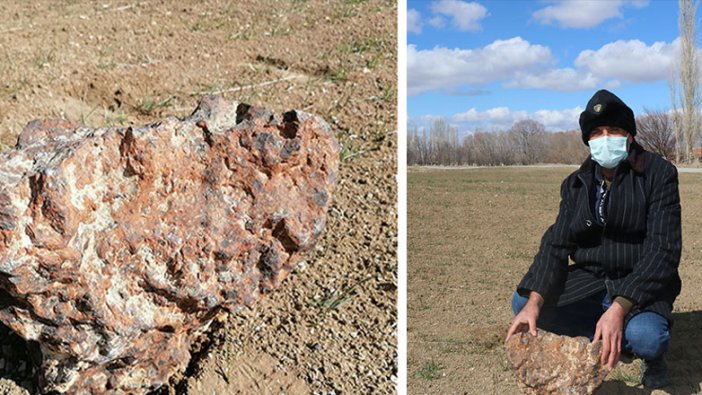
(619, 223)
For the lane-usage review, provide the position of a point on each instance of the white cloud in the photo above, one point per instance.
(498, 118)
(422, 122)
(632, 60)
(436, 22)
(500, 115)
(443, 68)
(464, 16)
(639, 3)
(502, 118)
(559, 119)
(565, 80)
(519, 64)
(579, 14)
(414, 21)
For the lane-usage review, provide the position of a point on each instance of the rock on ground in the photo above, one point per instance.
(119, 246)
(9, 387)
(553, 364)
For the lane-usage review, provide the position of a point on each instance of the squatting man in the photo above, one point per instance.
(619, 223)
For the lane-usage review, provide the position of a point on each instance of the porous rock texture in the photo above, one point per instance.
(119, 246)
(553, 364)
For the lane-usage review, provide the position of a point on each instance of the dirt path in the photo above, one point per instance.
(332, 326)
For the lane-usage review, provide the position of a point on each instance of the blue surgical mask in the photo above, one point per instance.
(608, 151)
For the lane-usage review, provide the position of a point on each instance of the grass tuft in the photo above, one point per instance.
(44, 59)
(149, 104)
(348, 152)
(359, 46)
(196, 27)
(430, 370)
(334, 299)
(339, 75)
(346, 13)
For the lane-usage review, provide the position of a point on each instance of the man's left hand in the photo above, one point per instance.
(610, 328)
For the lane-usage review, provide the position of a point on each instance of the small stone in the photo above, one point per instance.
(553, 364)
(301, 266)
(9, 387)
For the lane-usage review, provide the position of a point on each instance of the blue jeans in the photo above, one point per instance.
(646, 334)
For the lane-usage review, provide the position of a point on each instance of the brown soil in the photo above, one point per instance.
(472, 234)
(332, 326)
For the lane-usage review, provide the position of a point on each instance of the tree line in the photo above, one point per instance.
(526, 143)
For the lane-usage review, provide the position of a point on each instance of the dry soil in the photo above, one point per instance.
(472, 234)
(332, 327)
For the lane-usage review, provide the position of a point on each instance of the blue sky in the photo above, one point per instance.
(487, 64)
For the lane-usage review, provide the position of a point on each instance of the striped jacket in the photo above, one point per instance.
(635, 254)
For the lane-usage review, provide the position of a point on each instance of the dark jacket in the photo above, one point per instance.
(635, 255)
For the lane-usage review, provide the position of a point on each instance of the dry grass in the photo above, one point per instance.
(472, 233)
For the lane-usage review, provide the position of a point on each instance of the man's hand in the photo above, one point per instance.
(526, 319)
(610, 328)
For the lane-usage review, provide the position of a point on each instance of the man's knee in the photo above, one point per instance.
(647, 335)
(518, 302)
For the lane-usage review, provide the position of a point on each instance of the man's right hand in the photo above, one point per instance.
(526, 319)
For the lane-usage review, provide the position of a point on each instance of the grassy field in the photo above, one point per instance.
(472, 233)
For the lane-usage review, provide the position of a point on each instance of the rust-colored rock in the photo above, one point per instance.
(119, 246)
(553, 364)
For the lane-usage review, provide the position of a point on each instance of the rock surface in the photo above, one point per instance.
(553, 364)
(9, 387)
(119, 246)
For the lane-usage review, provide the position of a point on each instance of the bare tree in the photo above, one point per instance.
(438, 141)
(454, 146)
(442, 145)
(413, 152)
(465, 152)
(490, 148)
(566, 148)
(654, 131)
(418, 146)
(676, 120)
(529, 139)
(685, 91)
(482, 148)
(439, 145)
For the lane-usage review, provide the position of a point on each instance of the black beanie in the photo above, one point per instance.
(606, 109)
